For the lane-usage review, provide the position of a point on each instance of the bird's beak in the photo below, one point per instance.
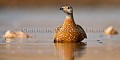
(61, 8)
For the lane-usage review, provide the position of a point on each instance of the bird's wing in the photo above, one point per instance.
(82, 30)
(56, 31)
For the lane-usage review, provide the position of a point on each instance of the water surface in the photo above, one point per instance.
(41, 47)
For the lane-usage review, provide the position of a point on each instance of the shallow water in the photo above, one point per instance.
(41, 47)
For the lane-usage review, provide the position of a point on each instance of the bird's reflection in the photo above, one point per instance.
(68, 51)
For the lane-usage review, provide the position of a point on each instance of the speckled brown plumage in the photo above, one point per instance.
(69, 31)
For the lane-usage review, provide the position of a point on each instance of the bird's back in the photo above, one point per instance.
(82, 31)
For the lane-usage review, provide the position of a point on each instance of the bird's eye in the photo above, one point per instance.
(68, 7)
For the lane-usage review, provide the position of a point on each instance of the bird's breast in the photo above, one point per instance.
(68, 31)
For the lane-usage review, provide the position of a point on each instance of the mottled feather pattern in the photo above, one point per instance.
(69, 32)
(56, 31)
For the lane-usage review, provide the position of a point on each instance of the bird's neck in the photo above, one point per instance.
(69, 20)
(69, 16)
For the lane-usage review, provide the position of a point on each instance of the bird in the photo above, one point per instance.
(69, 31)
(16, 34)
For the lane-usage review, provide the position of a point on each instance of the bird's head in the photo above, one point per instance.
(67, 9)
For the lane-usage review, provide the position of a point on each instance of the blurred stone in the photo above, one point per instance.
(110, 31)
(16, 34)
